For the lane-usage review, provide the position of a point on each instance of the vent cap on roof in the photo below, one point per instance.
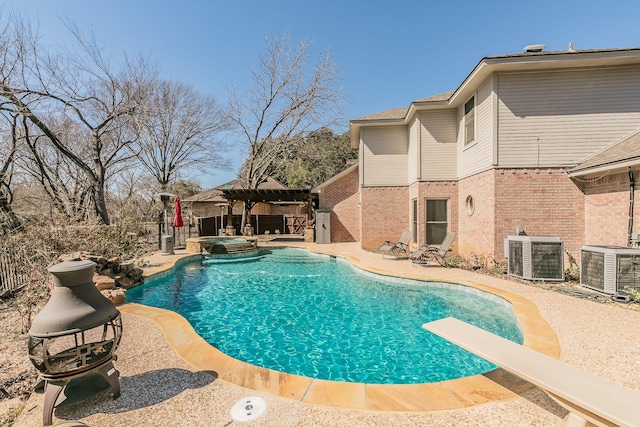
(534, 47)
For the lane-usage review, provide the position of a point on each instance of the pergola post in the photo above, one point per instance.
(309, 236)
(230, 230)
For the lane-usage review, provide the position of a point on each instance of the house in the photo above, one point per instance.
(546, 142)
(210, 209)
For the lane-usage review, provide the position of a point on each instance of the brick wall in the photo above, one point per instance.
(438, 190)
(607, 209)
(385, 214)
(476, 230)
(545, 202)
(341, 197)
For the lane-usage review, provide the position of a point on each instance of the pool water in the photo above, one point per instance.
(313, 315)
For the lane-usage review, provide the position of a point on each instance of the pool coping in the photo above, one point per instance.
(460, 393)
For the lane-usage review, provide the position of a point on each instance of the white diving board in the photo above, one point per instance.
(587, 397)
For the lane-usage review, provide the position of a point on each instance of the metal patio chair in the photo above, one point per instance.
(401, 247)
(428, 253)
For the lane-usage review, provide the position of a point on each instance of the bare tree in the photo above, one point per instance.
(179, 130)
(290, 96)
(63, 183)
(8, 148)
(79, 86)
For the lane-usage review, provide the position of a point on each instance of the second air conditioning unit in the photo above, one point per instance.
(610, 269)
(535, 257)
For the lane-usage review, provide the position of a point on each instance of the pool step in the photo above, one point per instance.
(300, 259)
(230, 248)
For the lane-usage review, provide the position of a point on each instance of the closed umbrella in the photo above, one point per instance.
(177, 218)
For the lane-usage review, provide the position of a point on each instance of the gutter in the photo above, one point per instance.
(631, 202)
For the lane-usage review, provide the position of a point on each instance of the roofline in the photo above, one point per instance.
(607, 167)
(599, 167)
(525, 61)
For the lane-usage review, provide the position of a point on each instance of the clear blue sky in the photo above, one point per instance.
(389, 52)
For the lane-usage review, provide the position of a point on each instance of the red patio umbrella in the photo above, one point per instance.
(177, 218)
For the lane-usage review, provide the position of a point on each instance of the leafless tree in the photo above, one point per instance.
(290, 96)
(8, 148)
(62, 182)
(81, 86)
(180, 130)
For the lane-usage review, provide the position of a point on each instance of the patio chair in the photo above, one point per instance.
(428, 253)
(398, 248)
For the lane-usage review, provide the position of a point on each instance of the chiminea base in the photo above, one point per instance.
(53, 388)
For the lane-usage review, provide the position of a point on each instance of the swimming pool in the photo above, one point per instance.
(313, 315)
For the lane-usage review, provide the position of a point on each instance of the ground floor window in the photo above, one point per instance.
(414, 220)
(437, 220)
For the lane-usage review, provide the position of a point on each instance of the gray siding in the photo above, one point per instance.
(438, 145)
(478, 156)
(414, 147)
(385, 153)
(557, 118)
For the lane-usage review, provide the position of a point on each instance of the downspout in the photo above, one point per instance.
(631, 196)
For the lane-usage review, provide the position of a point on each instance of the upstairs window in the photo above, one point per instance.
(470, 121)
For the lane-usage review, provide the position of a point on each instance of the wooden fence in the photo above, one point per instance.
(13, 268)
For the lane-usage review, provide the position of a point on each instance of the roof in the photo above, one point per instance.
(270, 183)
(522, 61)
(211, 195)
(216, 194)
(400, 113)
(437, 98)
(622, 153)
(392, 114)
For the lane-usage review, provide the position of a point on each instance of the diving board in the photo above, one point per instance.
(587, 397)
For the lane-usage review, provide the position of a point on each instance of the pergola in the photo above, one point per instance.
(271, 195)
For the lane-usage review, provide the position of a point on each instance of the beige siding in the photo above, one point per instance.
(438, 145)
(478, 156)
(414, 157)
(385, 153)
(556, 118)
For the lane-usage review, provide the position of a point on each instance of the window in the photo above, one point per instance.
(471, 206)
(414, 219)
(437, 220)
(469, 121)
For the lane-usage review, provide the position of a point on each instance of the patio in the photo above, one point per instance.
(161, 388)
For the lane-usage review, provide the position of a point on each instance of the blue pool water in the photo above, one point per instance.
(313, 315)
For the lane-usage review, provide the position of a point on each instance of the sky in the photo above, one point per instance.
(389, 53)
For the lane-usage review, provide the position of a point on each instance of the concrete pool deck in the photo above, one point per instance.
(171, 377)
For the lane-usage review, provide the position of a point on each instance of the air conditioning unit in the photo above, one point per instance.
(610, 269)
(535, 257)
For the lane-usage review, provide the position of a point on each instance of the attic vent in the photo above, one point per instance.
(534, 47)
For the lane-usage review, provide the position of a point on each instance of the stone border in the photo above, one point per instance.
(460, 393)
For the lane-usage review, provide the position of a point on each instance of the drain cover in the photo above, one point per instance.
(248, 408)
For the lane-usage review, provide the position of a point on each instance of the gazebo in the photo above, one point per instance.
(252, 196)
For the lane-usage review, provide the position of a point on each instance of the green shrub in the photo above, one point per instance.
(454, 261)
